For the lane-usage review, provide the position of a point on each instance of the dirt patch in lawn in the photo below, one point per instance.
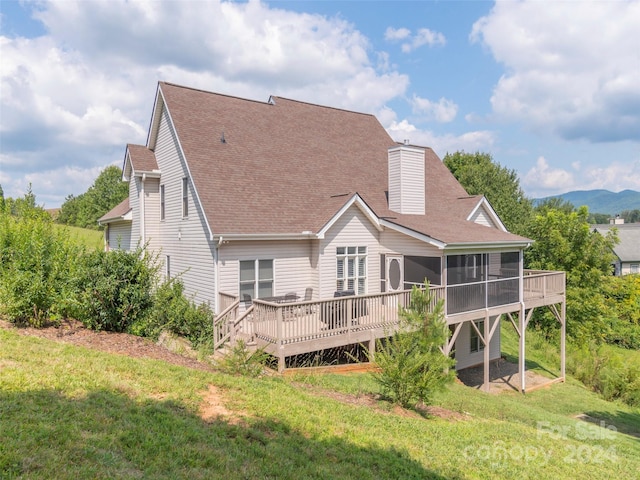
(503, 376)
(75, 333)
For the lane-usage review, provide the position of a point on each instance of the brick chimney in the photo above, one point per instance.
(406, 179)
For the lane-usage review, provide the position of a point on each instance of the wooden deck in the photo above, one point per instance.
(286, 329)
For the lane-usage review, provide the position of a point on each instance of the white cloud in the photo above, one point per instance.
(543, 178)
(423, 36)
(72, 98)
(615, 176)
(572, 67)
(442, 144)
(442, 111)
(393, 34)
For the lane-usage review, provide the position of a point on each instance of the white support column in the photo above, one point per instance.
(487, 352)
(521, 352)
(563, 338)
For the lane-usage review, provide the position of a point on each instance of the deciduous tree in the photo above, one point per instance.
(480, 175)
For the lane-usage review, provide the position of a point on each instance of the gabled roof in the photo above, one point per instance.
(139, 159)
(120, 212)
(287, 167)
(628, 249)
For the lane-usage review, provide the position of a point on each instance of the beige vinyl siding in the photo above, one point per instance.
(185, 240)
(483, 218)
(625, 267)
(396, 242)
(293, 264)
(464, 357)
(152, 212)
(120, 236)
(352, 229)
(407, 180)
(134, 203)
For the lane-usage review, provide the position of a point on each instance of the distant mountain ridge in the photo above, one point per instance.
(600, 201)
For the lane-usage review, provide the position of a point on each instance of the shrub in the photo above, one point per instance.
(411, 365)
(243, 361)
(605, 373)
(37, 267)
(174, 312)
(116, 288)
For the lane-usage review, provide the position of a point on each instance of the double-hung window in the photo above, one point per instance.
(185, 197)
(351, 269)
(256, 278)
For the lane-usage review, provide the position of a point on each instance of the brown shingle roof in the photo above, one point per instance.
(285, 164)
(117, 212)
(142, 159)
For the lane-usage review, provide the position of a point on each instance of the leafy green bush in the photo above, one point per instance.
(37, 267)
(411, 365)
(174, 312)
(116, 288)
(604, 372)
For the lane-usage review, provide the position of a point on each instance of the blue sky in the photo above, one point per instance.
(549, 89)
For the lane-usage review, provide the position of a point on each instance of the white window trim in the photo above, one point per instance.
(162, 202)
(256, 276)
(358, 279)
(185, 197)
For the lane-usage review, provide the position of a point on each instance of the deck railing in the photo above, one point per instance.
(538, 284)
(301, 321)
(287, 323)
(225, 325)
(226, 299)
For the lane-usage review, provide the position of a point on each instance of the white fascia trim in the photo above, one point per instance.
(155, 126)
(155, 119)
(147, 174)
(487, 246)
(402, 146)
(127, 167)
(357, 200)
(228, 237)
(127, 217)
(413, 234)
(492, 213)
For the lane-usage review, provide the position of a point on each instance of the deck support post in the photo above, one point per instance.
(521, 351)
(487, 353)
(563, 338)
(372, 347)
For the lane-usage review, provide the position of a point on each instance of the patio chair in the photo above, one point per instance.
(308, 294)
(246, 298)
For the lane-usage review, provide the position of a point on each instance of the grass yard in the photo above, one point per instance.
(92, 239)
(71, 412)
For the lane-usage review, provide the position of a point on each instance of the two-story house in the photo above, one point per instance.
(304, 226)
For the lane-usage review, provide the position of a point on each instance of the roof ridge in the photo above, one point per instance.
(322, 106)
(201, 90)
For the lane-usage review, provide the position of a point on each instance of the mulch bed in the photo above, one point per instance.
(75, 333)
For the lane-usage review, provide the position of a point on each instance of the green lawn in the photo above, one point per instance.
(92, 239)
(70, 412)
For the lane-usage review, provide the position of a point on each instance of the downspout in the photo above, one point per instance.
(142, 216)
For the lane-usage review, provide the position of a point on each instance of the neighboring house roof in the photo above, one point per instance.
(286, 167)
(120, 212)
(628, 249)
